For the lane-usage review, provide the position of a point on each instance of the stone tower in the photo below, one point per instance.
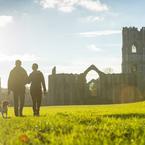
(133, 50)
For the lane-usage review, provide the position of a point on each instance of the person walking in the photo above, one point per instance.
(37, 81)
(17, 80)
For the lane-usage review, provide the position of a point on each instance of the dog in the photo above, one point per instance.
(4, 109)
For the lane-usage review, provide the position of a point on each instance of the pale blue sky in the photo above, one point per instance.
(68, 34)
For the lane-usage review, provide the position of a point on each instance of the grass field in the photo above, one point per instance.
(77, 125)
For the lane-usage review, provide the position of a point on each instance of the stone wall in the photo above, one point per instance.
(68, 89)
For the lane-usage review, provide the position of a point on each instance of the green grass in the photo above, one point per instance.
(77, 125)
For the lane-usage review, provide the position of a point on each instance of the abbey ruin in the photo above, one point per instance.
(128, 86)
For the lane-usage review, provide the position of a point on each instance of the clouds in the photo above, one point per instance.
(94, 18)
(25, 57)
(99, 33)
(5, 20)
(96, 6)
(70, 5)
(93, 47)
(91, 19)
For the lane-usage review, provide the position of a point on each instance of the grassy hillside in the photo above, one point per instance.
(77, 125)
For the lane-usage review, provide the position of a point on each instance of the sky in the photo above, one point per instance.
(68, 34)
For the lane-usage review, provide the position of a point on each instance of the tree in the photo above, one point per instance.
(108, 70)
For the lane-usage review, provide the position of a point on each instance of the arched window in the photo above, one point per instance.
(134, 50)
(92, 75)
(91, 78)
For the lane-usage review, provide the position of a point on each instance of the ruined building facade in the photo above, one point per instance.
(128, 86)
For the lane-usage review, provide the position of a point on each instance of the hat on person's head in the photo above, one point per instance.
(18, 62)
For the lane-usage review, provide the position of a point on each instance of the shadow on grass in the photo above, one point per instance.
(5, 118)
(126, 116)
(25, 116)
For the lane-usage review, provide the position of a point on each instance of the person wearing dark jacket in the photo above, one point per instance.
(17, 80)
(37, 81)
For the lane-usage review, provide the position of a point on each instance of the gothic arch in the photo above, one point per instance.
(94, 68)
